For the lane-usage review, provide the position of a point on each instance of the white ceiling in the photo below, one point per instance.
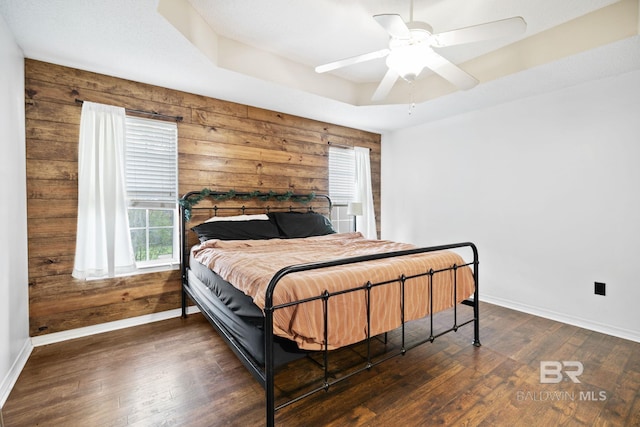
(262, 53)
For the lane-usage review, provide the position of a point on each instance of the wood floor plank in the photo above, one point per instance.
(179, 372)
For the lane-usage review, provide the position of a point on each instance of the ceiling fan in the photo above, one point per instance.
(411, 49)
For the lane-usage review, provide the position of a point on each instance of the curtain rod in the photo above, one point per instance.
(148, 113)
(346, 147)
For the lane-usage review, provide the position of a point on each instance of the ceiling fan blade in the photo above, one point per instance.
(385, 85)
(448, 70)
(394, 25)
(350, 61)
(490, 30)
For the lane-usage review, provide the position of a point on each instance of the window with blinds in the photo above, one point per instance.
(151, 173)
(342, 175)
(152, 161)
(342, 178)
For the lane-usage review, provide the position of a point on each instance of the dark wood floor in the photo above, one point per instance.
(180, 373)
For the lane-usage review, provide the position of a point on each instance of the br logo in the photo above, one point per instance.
(551, 371)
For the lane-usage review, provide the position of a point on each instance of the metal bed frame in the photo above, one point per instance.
(266, 374)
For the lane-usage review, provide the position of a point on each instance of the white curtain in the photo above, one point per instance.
(103, 241)
(366, 223)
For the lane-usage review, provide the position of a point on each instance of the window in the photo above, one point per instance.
(152, 190)
(342, 176)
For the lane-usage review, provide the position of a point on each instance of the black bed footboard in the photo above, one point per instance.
(269, 368)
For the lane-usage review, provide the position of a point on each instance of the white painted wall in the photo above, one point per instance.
(548, 187)
(15, 345)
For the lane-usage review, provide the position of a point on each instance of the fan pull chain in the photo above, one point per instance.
(412, 105)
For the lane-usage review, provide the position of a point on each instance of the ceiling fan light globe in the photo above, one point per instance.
(406, 62)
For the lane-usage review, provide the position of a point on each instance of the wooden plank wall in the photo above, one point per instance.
(222, 145)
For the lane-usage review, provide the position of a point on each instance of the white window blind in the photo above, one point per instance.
(151, 161)
(342, 169)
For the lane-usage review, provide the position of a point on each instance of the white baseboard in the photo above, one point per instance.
(12, 376)
(561, 317)
(109, 326)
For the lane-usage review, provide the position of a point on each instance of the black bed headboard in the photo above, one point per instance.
(221, 203)
(197, 206)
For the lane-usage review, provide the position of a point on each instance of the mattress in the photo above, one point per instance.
(237, 314)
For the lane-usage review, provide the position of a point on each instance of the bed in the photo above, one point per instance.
(279, 284)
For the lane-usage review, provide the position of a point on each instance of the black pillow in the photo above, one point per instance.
(296, 224)
(237, 230)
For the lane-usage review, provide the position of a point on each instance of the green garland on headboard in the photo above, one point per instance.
(194, 199)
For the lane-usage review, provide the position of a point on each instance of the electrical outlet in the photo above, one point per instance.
(600, 288)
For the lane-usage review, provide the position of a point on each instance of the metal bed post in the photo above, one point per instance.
(183, 259)
(476, 299)
(269, 364)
